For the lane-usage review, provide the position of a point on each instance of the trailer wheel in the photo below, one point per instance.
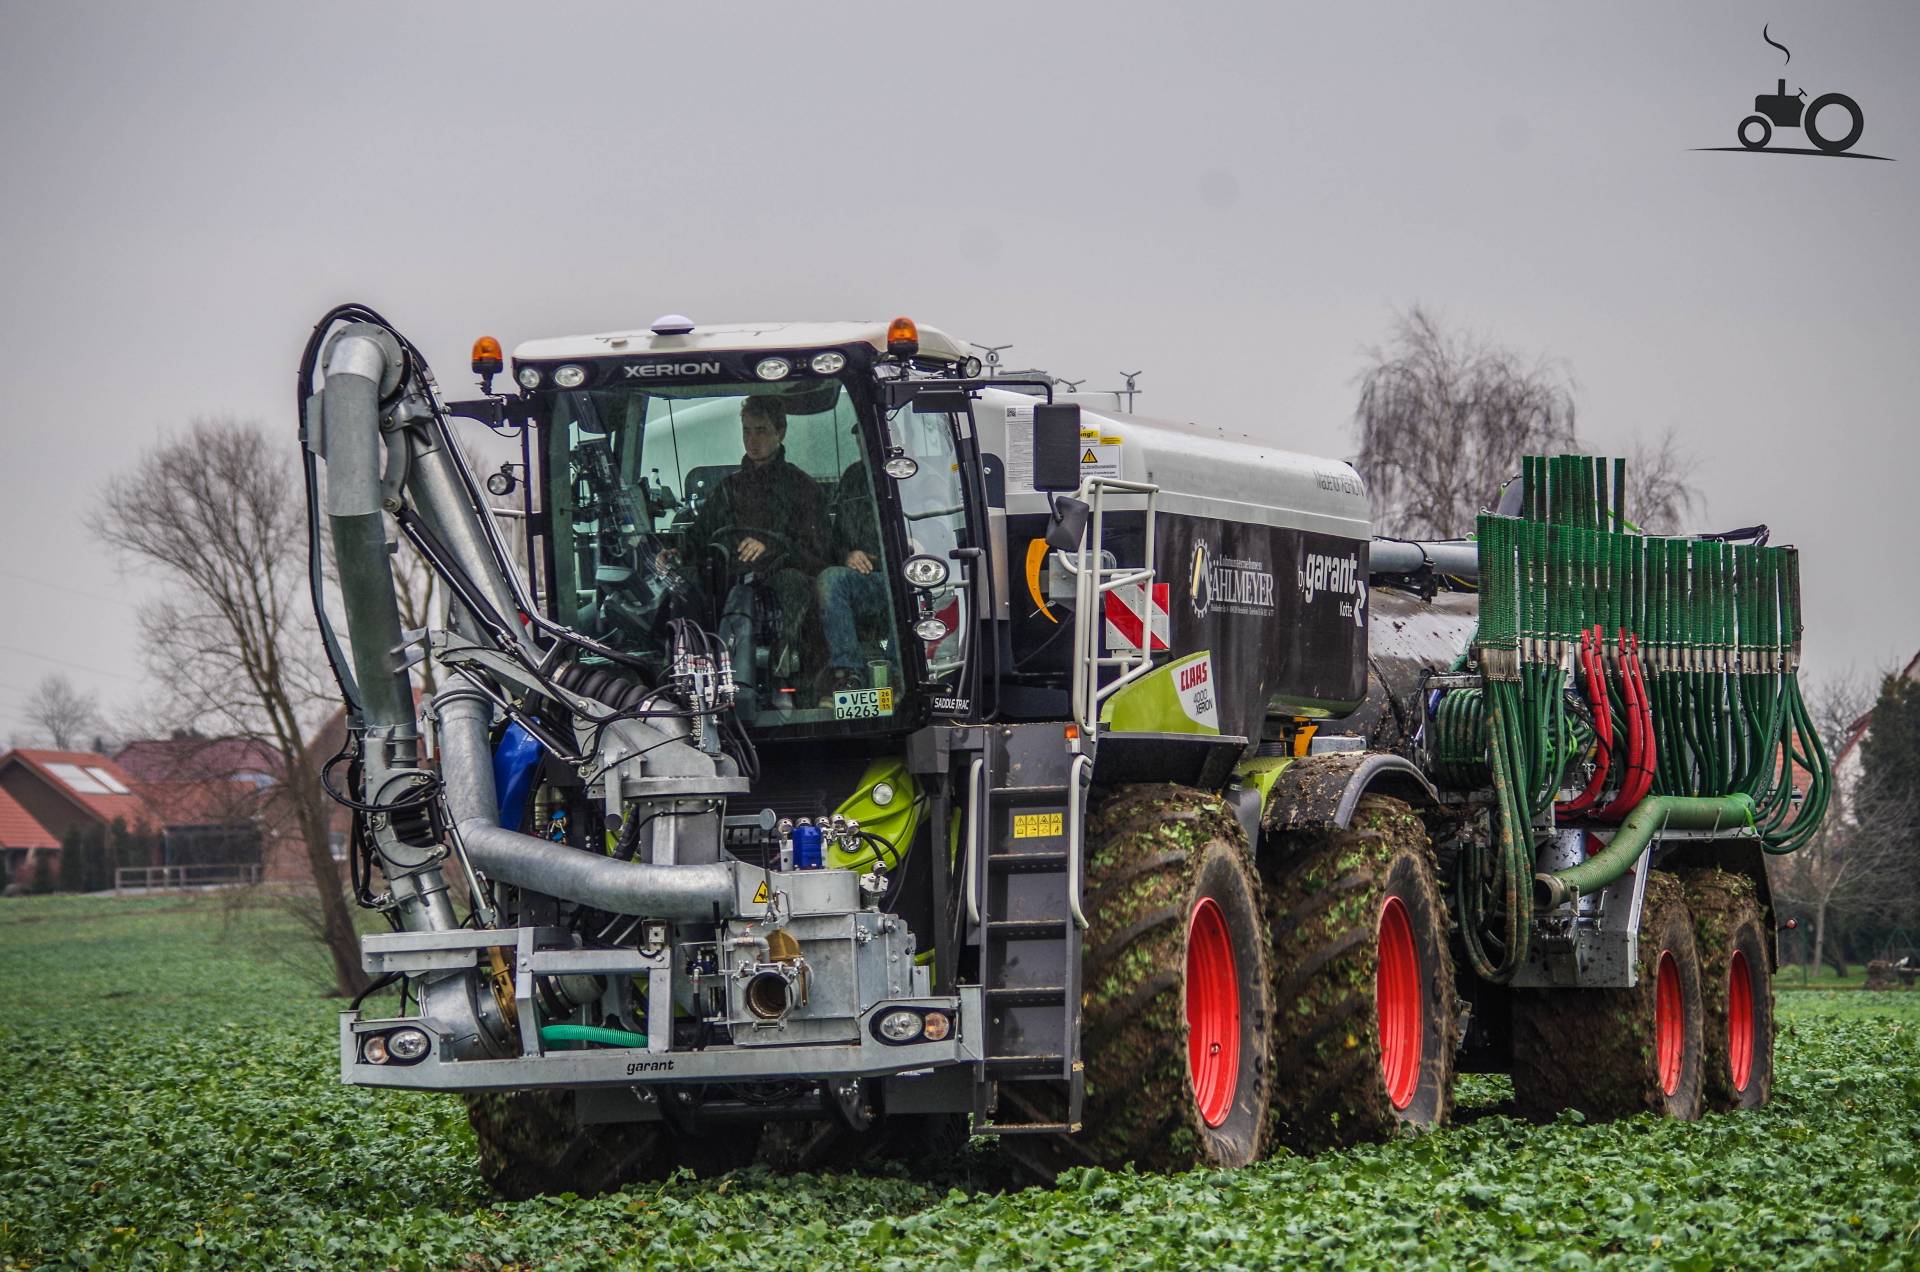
(532, 1143)
(1174, 985)
(1616, 1052)
(1363, 982)
(1736, 988)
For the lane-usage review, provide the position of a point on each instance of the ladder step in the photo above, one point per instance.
(1025, 929)
(1024, 862)
(1039, 1066)
(1031, 1128)
(1025, 792)
(1028, 995)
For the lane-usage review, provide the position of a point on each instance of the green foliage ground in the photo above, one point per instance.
(171, 1100)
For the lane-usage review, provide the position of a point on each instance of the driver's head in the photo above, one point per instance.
(763, 427)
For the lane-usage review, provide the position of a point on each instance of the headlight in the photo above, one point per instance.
(773, 368)
(936, 1025)
(827, 363)
(570, 377)
(374, 1050)
(407, 1045)
(925, 571)
(900, 468)
(881, 794)
(931, 630)
(901, 1026)
(529, 377)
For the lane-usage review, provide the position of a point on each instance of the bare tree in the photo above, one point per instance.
(232, 641)
(1660, 490)
(1852, 869)
(1443, 420)
(67, 717)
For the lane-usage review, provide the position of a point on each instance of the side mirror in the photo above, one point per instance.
(1056, 446)
(1068, 524)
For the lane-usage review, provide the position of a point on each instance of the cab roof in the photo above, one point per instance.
(734, 337)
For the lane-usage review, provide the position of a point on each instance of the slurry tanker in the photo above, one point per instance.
(831, 738)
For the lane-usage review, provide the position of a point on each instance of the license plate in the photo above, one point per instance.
(862, 704)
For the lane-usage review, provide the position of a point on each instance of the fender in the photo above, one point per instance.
(1320, 792)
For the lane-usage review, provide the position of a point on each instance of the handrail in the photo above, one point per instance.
(1092, 581)
(974, 772)
(1076, 836)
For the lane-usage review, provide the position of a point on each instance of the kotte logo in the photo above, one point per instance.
(1833, 122)
(1321, 574)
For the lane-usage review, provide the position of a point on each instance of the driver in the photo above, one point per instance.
(770, 519)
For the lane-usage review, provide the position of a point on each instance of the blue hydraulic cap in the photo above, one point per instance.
(515, 761)
(806, 848)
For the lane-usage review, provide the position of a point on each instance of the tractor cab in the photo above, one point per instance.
(750, 485)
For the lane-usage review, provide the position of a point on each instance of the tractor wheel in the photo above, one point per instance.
(1736, 988)
(1363, 982)
(532, 1143)
(1616, 1052)
(1174, 985)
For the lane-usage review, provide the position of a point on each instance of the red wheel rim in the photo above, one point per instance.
(1740, 1021)
(1213, 1012)
(1396, 995)
(1669, 1030)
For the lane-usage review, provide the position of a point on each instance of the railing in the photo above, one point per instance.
(1092, 582)
(136, 878)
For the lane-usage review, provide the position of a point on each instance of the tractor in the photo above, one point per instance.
(833, 743)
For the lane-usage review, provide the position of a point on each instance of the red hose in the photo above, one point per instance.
(1638, 779)
(1590, 662)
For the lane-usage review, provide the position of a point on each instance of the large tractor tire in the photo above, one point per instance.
(532, 1143)
(1174, 985)
(1736, 988)
(1364, 1014)
(1616, 1052)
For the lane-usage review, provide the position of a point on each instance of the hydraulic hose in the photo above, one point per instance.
(1653, 815)
(689, 891)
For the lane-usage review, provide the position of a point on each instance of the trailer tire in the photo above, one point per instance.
(1616, 1052)
(1364, 1014)
(532, 1143)
(1736, 988)
(1174, 987)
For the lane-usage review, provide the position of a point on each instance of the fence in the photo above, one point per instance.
(136, 878)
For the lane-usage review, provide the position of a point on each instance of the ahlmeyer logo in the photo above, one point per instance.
(1229, 585)
(1833, 122)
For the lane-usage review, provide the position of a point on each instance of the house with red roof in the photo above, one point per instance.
(24, 842)
(62, 791)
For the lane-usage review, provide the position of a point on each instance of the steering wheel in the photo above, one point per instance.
(777, 542)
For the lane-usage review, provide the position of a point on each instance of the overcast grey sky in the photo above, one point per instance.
(1234, 197)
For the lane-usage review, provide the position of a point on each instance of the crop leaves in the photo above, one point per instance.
(172, 1100)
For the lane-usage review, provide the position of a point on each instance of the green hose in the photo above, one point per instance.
(1651, 816)
(551, 1034)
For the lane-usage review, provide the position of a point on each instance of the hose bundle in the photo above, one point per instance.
(1683, 654)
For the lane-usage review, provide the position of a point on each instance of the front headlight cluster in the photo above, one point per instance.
(913, 1024)
(396, 1046)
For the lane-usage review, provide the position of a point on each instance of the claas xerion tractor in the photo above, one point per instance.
(828, 735)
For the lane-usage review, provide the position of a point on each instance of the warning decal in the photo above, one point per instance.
(761, 895)
(1099, 454)
(1038, 825)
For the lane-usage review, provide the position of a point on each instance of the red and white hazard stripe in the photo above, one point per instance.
(1133, 617)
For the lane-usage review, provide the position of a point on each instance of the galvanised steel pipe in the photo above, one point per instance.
(618, 887)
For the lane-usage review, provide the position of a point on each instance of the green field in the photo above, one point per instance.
(172, 1100)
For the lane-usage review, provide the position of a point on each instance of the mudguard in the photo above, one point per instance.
(1318, 792)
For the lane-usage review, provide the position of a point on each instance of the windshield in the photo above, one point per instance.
(747, 508)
